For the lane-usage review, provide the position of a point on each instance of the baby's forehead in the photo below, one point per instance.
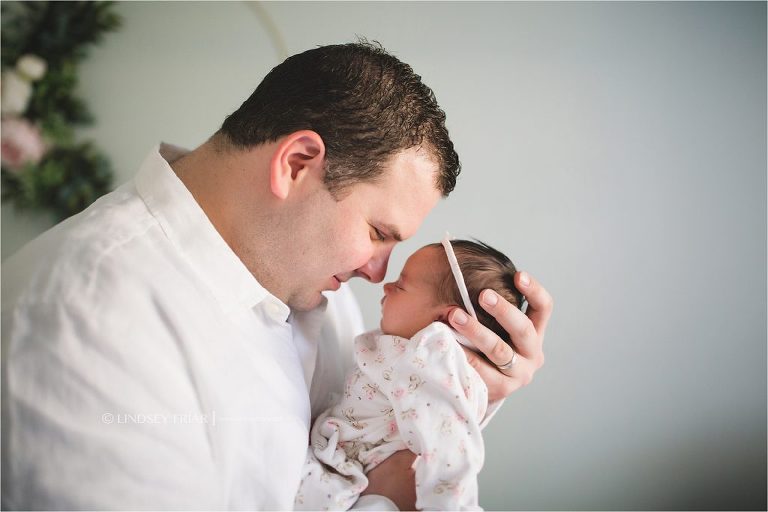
(426, 264)
(428, 255)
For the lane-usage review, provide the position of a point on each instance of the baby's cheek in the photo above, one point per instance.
(394, 324)
(385, 321)
(389, 323)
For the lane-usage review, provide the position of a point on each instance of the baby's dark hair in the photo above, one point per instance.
(482, 267)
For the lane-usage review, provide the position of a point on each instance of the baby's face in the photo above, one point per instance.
(409, 303)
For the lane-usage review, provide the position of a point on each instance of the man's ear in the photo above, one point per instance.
(296, 157)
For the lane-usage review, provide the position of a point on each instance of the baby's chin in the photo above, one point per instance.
(394, 330)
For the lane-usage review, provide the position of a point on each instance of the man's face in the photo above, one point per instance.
(409, 304)
(334, 241)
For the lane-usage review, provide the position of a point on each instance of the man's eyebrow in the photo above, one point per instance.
(393, 231)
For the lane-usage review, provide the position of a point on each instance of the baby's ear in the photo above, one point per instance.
(443, 312)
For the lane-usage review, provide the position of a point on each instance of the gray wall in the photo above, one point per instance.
(615, 150)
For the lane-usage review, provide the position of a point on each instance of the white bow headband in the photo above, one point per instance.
(457, 275)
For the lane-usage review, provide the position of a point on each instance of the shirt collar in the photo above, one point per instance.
(189, 229)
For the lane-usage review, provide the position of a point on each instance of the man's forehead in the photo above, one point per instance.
(400, 198)
(415, 162)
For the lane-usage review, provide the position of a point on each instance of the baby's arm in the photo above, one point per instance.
(438, 401)
(322, 488)
(330, 480)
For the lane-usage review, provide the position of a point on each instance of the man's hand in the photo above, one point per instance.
(525, 330)
(395, 478)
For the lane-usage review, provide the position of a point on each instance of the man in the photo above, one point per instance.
(168, 347)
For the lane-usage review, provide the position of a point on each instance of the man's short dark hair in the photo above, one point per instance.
(365, 104)
(482, 267)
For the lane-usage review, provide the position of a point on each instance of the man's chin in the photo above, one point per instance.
(307, 303)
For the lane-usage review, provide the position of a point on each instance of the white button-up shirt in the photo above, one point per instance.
(144, 367)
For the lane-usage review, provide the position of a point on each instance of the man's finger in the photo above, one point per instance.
(500, 385)
(539, 301)
(484, 339)
(525, 339)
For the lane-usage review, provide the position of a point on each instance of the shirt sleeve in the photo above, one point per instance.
(439, 400)
(87, 426)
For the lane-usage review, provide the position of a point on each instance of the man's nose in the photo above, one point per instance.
(375, 268)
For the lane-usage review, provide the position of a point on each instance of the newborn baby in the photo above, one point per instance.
(413, 387)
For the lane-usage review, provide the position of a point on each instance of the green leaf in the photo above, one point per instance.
(70, 177)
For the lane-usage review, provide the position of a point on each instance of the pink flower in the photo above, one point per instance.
(21, 144)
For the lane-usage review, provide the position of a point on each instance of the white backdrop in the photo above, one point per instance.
(615, 150)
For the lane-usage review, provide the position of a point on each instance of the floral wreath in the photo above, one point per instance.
(42, 166)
